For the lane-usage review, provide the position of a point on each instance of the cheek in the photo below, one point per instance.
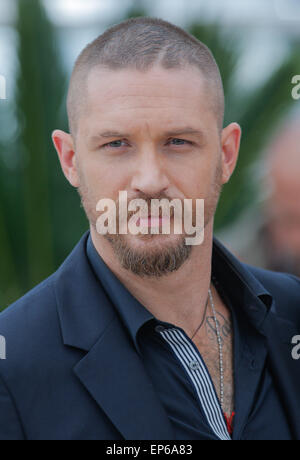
(103, 181)
(200, 181)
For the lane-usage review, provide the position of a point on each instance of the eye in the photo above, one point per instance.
(113, 144)
(177, 141)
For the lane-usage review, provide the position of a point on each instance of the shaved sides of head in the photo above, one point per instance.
(139, 44)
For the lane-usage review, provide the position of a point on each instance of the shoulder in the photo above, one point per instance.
(29, 327)
(22, 315)
(34, 350)
(38, 307)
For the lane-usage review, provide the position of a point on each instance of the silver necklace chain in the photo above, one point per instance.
(202, 321)
(220, 346)
(219, 339)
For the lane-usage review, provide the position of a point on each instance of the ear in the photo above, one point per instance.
(231, 138)
(63, 143)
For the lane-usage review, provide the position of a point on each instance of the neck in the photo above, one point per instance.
(178, 297)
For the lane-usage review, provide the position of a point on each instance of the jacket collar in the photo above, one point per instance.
(242, 275)
(243, 287)
(258, 303)
(84, 309)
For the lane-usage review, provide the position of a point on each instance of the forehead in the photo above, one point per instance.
(158, 95)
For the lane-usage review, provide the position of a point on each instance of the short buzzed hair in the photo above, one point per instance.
(140, 43)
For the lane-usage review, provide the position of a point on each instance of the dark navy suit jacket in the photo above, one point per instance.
(71, 371)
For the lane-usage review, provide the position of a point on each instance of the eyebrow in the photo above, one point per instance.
(173, 132)
(108, 134)
(186, 130)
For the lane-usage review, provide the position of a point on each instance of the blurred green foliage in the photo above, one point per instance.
(40, 214)
(258, 111)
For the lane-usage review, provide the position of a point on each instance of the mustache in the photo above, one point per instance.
(147, 203)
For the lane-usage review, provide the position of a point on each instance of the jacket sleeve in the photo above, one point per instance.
(10, 425)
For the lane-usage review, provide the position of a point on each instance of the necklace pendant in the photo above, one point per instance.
(229, 422)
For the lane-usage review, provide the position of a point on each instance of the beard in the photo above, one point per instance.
(154, 262)
(160, 258)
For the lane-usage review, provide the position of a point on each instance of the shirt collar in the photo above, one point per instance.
(242, 287)
(132, 312)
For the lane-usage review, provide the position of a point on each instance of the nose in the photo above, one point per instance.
(149, 177)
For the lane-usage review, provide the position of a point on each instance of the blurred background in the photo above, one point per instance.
(257, 46)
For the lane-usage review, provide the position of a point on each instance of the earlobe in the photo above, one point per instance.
(64, 146)
(231, 137)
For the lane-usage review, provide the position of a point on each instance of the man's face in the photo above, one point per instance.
(153, 135)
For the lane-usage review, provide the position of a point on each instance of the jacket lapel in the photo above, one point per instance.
(111, 371)
(115, 376)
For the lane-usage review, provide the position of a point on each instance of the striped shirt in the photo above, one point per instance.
(193, 364)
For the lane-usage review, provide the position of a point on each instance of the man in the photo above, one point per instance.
(141, 336)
